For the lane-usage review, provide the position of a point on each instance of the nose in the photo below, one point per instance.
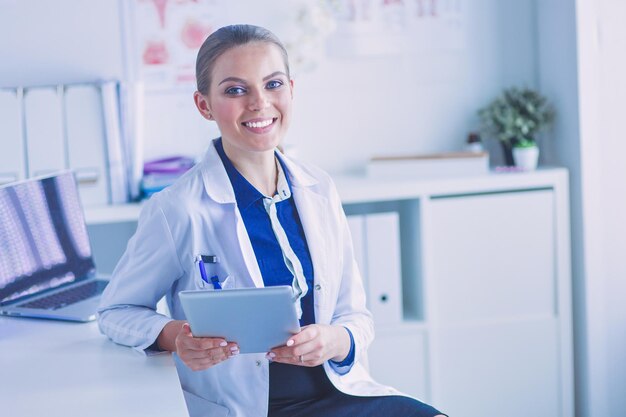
(258, 100)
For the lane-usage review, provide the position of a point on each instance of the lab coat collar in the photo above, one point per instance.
(217, 184)
(245, 193)
(297, 176)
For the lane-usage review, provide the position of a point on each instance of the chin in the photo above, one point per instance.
(263, 145)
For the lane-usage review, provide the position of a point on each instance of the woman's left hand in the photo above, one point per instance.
(314, 345)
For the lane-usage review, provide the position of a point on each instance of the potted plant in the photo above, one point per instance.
(515, 118)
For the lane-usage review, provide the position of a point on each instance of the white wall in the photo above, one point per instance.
(558, 79)
(348, 110)
(609, 141)
(45, 42)
(582, 64)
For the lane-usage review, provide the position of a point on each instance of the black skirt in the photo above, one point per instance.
(299, 391)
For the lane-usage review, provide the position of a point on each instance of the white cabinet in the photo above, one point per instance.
(493, 255)
(492, 260)
(397, 357)
(503, 368)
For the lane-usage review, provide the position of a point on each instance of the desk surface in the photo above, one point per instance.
(69, 369)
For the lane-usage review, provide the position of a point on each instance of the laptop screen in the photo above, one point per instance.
(43, 237)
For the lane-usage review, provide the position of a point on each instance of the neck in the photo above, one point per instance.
(259, 168)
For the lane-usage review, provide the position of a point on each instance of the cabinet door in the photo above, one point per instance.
(397, 357)
(492, 256)
(492, 279)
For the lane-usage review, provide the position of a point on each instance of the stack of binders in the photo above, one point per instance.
(48, 129)
(376, 240)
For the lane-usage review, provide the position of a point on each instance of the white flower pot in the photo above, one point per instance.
(526, 158)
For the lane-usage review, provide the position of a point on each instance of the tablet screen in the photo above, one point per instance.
(257, 319)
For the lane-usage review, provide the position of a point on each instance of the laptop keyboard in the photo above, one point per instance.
(67, 297)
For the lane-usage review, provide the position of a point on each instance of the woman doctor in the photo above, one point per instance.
(268, 220)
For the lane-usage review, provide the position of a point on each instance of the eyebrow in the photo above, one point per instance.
(241, 80)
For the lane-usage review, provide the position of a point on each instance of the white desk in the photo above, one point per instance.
(61, 369)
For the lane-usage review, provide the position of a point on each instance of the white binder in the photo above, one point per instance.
(118, 180)
(356, 224)
(12, 156)
(132, 127)
(86, 143)
(45, 144)
(383, 267)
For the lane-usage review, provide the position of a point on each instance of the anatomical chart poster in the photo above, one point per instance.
(384, 27)
(167, 36)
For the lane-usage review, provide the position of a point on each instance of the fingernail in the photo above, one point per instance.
(223, 344)
(271, 355)
(290, 342)
(234, 348)
(234, 352)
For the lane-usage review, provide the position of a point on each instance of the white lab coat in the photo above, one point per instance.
(199, 215)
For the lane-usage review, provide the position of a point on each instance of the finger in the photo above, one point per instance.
(204, 343)
(290, 360)
(297, 350)
(189, 354)
(208, 355)
(232, 349)
(307, 333)
(203, 364)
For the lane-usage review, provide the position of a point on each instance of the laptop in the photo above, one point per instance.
(46, 265)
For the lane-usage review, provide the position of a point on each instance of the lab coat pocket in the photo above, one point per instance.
(213, 271)
(225, 281)
(200, 407)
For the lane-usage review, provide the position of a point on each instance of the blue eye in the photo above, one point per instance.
(273, 84)
(235, 91)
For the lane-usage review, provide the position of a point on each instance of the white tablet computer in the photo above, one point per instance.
(258, 319)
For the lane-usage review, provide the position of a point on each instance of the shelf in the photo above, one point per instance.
(120, 213)
(361, 189)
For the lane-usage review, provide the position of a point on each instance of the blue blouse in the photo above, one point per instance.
(265, 244)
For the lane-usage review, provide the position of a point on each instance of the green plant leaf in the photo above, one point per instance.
(517, 115)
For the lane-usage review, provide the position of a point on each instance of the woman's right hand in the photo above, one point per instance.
(198, 353)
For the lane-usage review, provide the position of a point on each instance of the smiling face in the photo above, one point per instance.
(250, 98)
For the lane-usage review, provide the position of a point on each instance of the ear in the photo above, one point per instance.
(291, 87)
(202, 103)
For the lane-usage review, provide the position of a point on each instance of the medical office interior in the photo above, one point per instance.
(498, 291)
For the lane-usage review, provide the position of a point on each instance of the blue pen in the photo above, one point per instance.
(214, 279)
(216, 282)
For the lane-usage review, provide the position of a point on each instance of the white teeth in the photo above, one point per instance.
(264, 123)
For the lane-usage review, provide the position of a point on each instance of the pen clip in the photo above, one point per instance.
(209, 259)
(216, 282)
